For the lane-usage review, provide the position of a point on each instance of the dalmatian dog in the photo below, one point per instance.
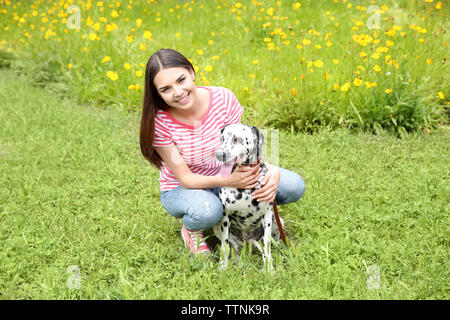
(244, 219)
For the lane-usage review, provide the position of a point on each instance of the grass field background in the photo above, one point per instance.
(75, 191)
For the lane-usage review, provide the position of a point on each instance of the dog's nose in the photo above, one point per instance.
(220, 155)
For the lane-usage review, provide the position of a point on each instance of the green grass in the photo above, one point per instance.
(75, 190)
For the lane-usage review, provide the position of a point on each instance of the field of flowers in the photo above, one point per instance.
(293, 65)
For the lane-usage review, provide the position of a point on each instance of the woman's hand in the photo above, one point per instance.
(244, 177)
(270, 185)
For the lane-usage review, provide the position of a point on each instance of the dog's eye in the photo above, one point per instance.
(237, 140)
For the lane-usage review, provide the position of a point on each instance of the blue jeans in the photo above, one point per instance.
(201, 209)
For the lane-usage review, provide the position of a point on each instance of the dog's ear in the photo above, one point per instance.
(221, 130)
(260, 141)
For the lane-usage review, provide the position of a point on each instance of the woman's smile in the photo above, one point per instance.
(184, 99)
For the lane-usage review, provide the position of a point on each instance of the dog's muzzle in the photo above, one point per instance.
(221, 156)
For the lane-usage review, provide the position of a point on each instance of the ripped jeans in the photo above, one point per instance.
(201, 209)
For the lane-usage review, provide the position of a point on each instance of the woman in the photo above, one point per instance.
(179, 134)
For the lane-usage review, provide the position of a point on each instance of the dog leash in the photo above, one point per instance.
(277, 218)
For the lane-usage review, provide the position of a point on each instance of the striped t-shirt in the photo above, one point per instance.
(197, 144)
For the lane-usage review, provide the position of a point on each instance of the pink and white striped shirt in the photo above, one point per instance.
(197, 144)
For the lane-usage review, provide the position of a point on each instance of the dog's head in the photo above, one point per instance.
(240, 144)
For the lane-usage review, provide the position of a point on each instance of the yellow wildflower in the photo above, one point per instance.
(441, 95)
(147, 35)
(112, 75)
(106, 59)
(357, 82)
(127, 66)
(318, 63)
(345, 87)
(388, 91)
(111, 27)
(369, 84)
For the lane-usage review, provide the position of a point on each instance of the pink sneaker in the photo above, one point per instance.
(195, 240)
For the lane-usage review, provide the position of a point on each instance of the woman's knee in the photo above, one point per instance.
(203, 214)
(299, 189)
(292, 188)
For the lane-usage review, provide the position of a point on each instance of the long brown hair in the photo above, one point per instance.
(161, 59)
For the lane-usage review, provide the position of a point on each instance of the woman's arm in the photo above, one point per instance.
(188, 179)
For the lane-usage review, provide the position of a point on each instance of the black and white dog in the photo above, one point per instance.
(244, 218)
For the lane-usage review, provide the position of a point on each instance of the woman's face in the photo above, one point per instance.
(176, 87)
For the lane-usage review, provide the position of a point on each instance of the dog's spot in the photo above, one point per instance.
(255, 202)
(225, 224)
(239, 196)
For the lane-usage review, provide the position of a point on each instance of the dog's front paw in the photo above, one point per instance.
(223, 264)
(268, 266)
